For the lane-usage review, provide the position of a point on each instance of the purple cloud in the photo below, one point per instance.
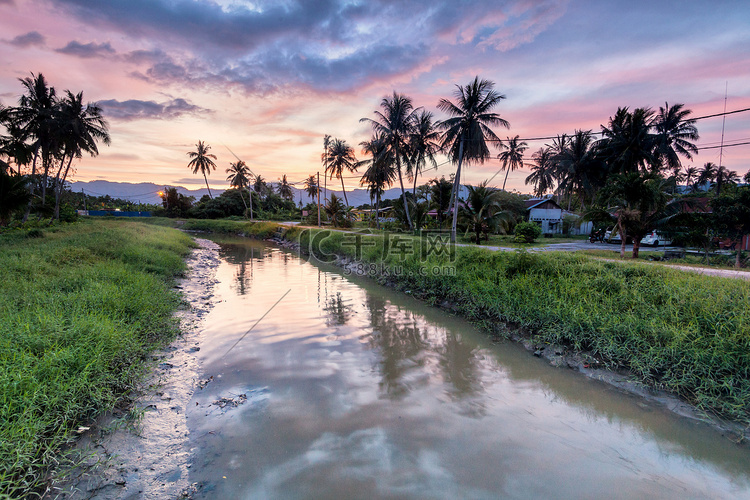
(87, 50)
(134, 109)
(27, 40)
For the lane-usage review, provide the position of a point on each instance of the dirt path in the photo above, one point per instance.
(152, 462)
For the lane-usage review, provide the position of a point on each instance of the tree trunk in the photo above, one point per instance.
(59, 183)
(739, 251)
(456, 187)
(209, 189)
(243, 201)
(344, 190)
(636, 247)
(507, 171)
(31, 186)
(623, 239)
(377, 211)
(403, 193)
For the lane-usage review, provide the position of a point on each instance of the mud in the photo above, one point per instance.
(151, 460)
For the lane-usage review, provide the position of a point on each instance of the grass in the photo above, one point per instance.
(715, 261)
(81, 307)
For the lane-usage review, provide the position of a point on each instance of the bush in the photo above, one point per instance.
(527, 232)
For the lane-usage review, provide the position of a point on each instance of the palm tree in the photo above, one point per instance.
(323, 158)
(239, 177)
(482, 211)
(639, 203)
(381, 170)
(284, 189)
(580, 168)
(202, 161)
(707, 173)
(690, 174)
(673, 135)
(512, 156)
(396, 123)
(466, 132)
(440, 196)
(542, 171)
(423, 145)
(80, 129)
(340, 157)
(335, 209)
(260, 186)
(628, 145)
(311, 187)
(724, 176)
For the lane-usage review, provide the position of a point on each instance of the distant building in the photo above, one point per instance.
(546, 212)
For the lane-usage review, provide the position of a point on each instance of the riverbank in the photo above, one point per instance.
(83, 305)
(668, 330)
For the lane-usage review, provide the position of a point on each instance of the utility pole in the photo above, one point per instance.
(318, 198)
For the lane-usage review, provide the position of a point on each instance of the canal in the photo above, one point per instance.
(346, 389)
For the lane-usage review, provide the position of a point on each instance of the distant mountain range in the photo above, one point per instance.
(148, 192)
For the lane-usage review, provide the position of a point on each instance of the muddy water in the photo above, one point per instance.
(348, 390)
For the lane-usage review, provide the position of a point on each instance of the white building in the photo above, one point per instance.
(547, 213)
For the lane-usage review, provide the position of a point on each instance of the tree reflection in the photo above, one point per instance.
(240, 256)
(338, 311)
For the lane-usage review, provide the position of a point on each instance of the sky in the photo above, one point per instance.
(266, 80)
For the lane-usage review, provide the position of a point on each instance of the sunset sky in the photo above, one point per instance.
(268, 79)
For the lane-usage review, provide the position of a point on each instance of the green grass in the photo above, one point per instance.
(688, 334)
(715, 261)
(81, 306)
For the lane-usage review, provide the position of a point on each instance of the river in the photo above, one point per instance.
(346, 389)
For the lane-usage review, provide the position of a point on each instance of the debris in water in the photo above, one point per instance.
(204, 383)
(233, 402)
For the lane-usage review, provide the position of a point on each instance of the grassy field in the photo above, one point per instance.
(714, 261)
(81, 306)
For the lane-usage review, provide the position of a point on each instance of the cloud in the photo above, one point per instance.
(134, 109)
(27, 40)
(328, 45)
(87, 50)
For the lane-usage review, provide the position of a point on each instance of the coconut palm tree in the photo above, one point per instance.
(311, 187)
(381, 170)
(340, 158)
(396, 123)
(707, 174)
(512, 156)
(673, 135)
(260, 186)
(335, 209)
(724, 176)
(691, 173)
(580, 168)
(80, 128)
(440, 197)
(482, 211)
(323, 158)
(542, 171)
(423, 145)
(202, 161)
(239, 178)
(628, 144)
(466, 132)
(284, 189)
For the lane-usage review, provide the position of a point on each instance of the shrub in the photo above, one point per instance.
(527, 232)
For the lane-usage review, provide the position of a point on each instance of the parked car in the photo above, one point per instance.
(613, 236)
(655, 239)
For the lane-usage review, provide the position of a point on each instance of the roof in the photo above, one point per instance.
(538, 202)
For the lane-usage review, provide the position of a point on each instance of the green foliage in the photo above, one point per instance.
(82, 305)
(527, 232)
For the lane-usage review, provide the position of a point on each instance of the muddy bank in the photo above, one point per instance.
(151, 459)
(561, 356)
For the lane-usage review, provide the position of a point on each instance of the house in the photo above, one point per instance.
(546, 212)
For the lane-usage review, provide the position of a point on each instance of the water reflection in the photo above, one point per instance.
(356, 391)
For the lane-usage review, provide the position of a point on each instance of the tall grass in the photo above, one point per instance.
(682, 332)
(80, 307)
